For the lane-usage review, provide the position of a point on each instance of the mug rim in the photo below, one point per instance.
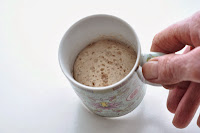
(103, 88)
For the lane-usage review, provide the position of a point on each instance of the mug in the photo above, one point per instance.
(119, 98)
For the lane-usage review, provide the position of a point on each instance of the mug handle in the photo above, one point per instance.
(145, 58)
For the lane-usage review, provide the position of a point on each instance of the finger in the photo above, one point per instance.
(184, 84)
(172, 68)
(174, 98)
(176, 95)
(166, 41)
(176, 36)
(187, 106)
(198, 121)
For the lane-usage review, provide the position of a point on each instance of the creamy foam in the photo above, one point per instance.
(103, 63)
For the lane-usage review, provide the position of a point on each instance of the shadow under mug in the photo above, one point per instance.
(117, 99)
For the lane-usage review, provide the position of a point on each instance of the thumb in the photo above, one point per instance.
(173, 68)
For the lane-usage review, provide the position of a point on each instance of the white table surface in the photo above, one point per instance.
(35, 96)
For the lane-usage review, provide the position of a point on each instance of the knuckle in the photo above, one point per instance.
(194, 25)
(167, 69)
(193, 65)
(195, 73)
(195, 34)
(171, 69)
(155, 38)
(155, 43)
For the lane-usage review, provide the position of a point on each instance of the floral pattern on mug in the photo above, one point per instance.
(114, 102)
(106, 105)
(132, 95)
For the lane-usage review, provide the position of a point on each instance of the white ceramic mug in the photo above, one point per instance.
(117, 99)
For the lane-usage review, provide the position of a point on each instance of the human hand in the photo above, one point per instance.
(179, 73)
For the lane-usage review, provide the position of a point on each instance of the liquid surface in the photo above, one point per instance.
(103, 63)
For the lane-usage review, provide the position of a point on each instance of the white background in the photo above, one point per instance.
(35, 97)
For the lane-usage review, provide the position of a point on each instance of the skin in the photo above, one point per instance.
(178, 73)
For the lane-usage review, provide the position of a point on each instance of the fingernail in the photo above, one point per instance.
(150, 70)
